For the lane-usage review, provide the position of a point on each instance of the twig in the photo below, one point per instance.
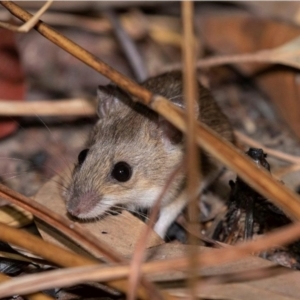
(138, 254)
(233, 277)
(257, 57)
(207, 285)
(30, 23)
(286, 54)
(278, 154)
(192, 153)
(71, 276)
(23, 257)
(97, 25)
(50, 279)
(76, 107)
(246, 276)
(34, 296)
(281, 172)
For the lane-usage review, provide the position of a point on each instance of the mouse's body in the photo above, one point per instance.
(132, 152)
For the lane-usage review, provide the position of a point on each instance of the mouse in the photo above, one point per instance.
(131, 152)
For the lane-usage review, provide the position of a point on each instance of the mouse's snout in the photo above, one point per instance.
(81, 206)
(74, 212)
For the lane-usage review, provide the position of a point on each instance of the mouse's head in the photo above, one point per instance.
(130, 154)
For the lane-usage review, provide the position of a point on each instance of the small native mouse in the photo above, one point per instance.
(132, 151)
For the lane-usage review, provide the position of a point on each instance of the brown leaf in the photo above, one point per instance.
(288, 53)
(282, 286)
(274, 9)
(14, 216)
(246, 34)
(120, 231)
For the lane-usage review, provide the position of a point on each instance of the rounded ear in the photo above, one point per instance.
(107, 100)
(170, 134)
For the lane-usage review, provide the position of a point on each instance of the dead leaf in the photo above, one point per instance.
(246, 34)
(15, 216)
(118, 231)
(280, 287)
(288, 53)
(274, 9)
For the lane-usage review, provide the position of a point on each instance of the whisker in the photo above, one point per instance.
(59, 184)
(109, 208)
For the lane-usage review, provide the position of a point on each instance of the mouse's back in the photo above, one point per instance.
(170, 85)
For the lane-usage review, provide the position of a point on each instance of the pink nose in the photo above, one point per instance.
(74, 211)
(82, 204)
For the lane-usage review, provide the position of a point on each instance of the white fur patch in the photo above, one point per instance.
(147, 199)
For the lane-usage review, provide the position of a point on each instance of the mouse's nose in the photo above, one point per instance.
(80, 206)
(73, 207)
(74, 211)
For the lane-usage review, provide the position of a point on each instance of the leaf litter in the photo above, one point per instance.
(269, 130)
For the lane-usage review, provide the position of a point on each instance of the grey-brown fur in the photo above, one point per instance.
(130, 132)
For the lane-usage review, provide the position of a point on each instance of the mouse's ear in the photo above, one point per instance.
(107, 100)
(170, 134)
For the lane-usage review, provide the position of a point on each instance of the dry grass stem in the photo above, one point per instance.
(225, 278)
(61, 278)
(76, 107)
(286, 54)
(33, 296)
(138, 254)
(98, 25)
(256, 57)
(278, 154)
(240, 279)
(21, 257)
(204, 238)
(192, 151)
(244, 276)
(30, 23)
(214, 257)
(281, 172)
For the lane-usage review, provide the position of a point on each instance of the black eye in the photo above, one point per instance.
(82, 155)
(121, 171)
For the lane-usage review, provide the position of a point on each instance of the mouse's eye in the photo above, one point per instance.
(121, 171)
(82, 155)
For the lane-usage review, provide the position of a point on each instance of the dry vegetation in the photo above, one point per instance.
(247, 54)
